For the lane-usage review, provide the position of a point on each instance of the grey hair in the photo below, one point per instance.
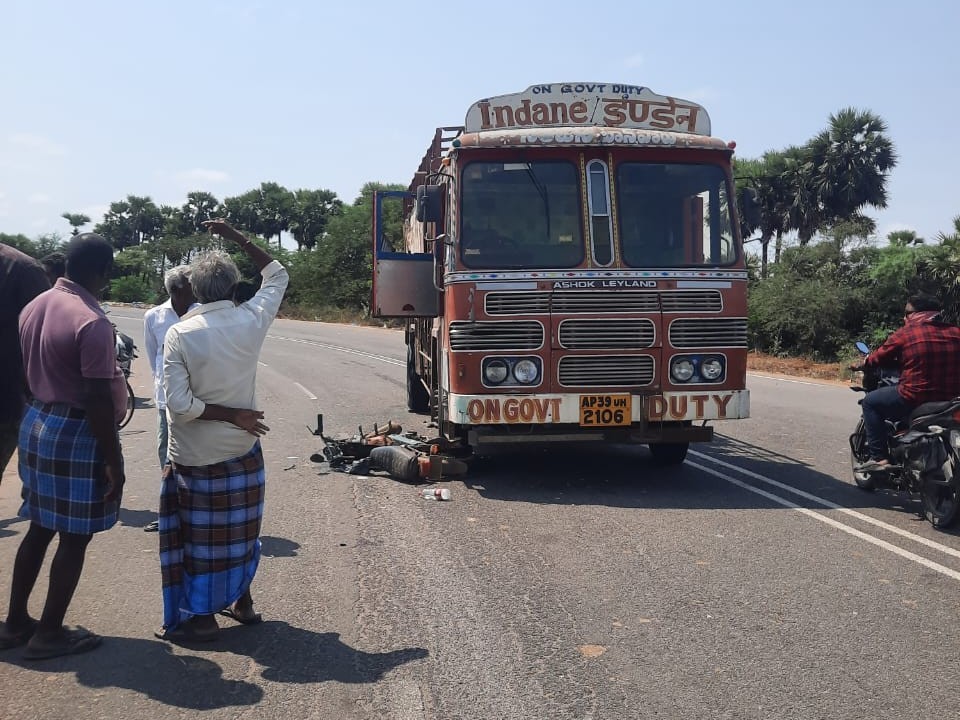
(176, 277)
(214, 276)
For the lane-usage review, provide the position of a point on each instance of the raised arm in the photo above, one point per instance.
(260, 257)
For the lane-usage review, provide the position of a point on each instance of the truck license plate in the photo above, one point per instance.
(605, 410)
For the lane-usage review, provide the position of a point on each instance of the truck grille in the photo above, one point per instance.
(709, 333)
(676, 301)
(606, 371)
(498, 335)
(628, 301)
(517, 303)
(606, 334)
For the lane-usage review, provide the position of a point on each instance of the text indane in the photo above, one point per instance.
(588, 104)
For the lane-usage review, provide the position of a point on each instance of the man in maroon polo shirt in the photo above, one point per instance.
(69, 450)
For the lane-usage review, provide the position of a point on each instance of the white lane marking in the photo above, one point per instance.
(942, 569)
(790, 380)
(351, 351)
(305, 391)
(893, 529)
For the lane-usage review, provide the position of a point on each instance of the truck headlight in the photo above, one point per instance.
(496, 372)
(681, 369)
(526, 372)
(711, 369)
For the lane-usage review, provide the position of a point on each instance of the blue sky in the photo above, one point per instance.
(103, 99)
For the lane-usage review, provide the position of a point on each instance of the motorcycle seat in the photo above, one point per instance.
(928, 412)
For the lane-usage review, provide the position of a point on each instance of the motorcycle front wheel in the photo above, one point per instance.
(131, 404)
(941, 504)
(859, 454)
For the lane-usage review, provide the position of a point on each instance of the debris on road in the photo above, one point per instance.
(404, 456)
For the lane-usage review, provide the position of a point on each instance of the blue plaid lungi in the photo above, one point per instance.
(209, 534)
(63, 472)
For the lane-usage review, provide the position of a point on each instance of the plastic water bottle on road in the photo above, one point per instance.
(435, 493)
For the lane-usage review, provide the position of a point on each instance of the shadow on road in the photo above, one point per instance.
(152, 668)
(271, 546)
(4, 524)
(285, 653)
(136, 518)
(628, 476)
(293, 655)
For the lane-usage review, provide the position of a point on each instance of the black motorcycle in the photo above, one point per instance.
(924, 452)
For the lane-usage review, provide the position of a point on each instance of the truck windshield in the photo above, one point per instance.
(674, 215)
(520, 215)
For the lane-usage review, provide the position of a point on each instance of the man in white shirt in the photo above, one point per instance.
(156, 322)
(211, 505)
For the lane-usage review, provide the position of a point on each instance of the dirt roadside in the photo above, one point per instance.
(797, 368)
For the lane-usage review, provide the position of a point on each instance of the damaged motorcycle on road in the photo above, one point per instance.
(924, 452)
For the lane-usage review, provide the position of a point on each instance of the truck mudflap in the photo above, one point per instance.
(599, 411)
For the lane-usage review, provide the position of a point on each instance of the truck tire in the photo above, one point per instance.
(418, 398)
(669, 453)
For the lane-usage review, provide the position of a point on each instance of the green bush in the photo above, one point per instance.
(130, 289)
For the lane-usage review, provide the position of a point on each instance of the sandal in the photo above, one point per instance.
(69, 642)
(10, 640)
(254, 618)
(186, 632)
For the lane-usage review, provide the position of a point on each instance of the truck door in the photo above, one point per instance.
(403, 282)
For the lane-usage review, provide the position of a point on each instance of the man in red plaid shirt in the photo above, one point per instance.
(927, 352)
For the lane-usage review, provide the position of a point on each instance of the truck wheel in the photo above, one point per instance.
(418, 398)
(669, 453)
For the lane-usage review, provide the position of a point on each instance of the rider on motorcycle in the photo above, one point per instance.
(927, 351)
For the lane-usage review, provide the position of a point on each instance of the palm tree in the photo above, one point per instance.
(941, 270)
(764, 175)
(801, 203)
(954, 237)
(904, 238)
(851, 161)
(200, 206)
(76, 220)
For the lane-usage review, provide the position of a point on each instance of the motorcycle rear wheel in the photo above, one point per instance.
(859, 454)
(941, 504)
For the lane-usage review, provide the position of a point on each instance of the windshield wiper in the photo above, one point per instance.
(543, 194)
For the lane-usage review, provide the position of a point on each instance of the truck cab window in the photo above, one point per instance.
(674, 215)
(601, 226)
(520, 214)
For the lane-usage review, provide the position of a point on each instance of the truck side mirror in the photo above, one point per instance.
(429, 203)
(750, 204)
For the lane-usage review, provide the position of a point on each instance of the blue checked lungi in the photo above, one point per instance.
(63, 472)
(209, 534)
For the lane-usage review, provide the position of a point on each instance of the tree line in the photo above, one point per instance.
(330, 270)
(830, 279)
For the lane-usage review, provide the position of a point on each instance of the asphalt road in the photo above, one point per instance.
(753, 582)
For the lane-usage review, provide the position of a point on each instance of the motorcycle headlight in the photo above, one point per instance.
(495, 372)
(711, 369)
(681, 369)
(526, 372)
